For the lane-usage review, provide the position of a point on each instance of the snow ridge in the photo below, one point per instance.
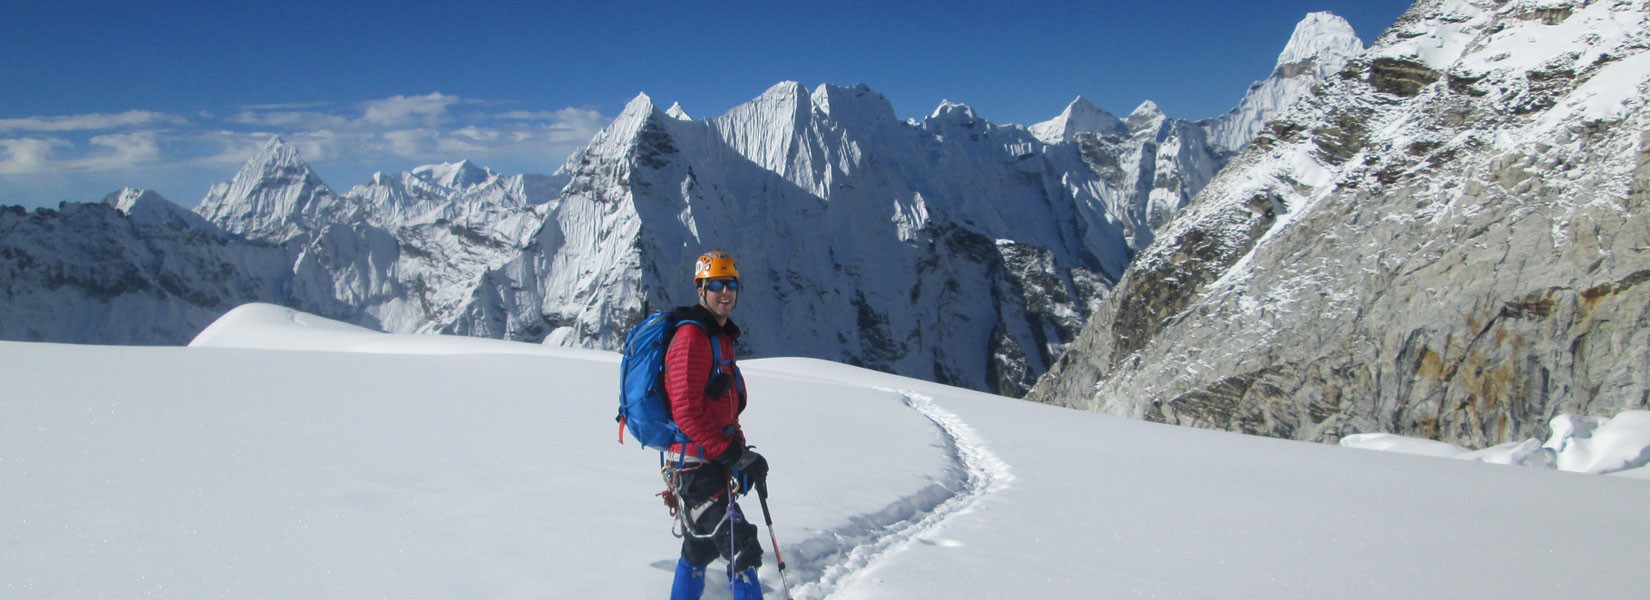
(835, 561)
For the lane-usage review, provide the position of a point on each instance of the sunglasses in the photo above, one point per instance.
(717, 285)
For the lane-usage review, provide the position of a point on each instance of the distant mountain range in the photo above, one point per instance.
(948, 248)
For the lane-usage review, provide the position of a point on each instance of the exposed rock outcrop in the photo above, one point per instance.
(1450, 240)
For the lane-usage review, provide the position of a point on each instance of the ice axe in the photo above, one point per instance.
(762, 497)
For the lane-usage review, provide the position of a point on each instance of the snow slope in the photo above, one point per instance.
(284, 455)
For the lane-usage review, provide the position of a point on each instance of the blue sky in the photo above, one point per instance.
(174, 96)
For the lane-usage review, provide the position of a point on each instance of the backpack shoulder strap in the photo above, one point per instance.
(716, 352)
(718, 363)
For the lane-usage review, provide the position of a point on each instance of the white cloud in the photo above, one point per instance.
(92, 122)
(410, 143)
(290, 120)
(398, 132)
(478, 134)
(119, 151)
(578, 125)
(27, 155)
(320, 145)
(225, 149)
(527, 115)
(123, 150)
(421, 130)
(286, 106)
(393, 113)
(408, 111)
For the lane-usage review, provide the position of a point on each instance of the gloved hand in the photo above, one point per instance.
(747, 461)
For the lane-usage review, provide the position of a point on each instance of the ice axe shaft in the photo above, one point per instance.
(762, 497)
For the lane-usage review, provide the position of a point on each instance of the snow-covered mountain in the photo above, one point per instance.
(135, 268)
(1081, 116)
(1448, 241)
(949, 248)
(1320, 47)
(277, 198)
(462, 194)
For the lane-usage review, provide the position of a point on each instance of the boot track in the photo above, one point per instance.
(832, 562)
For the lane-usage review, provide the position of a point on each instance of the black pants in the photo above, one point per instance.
(703, 490)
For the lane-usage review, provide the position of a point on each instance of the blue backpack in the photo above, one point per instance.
(643, 407)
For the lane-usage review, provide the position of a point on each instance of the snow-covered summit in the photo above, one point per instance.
(1081, 116)
(276, 197)
(953, 112)
(1145, 117)
(616, 136)
(457, 176)
(855, 107)
(773, 129)
(1320, 37)
(1321, 46)
(459, 193)
(147, 207)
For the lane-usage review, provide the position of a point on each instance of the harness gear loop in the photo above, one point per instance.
(672, 501)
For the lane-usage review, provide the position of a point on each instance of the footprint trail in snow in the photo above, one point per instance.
(831, 562)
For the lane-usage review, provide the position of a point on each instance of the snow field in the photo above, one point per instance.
(432, 470)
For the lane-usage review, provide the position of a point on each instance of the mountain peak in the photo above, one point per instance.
(624, 128)
(1080, 116)
(786, 102)
(857, 104)
(1146, 109)
(1146, 116)
(1322, 45)
(276, 153)
(149, 208)
(677, 112)
(786, 89)
(953, 111)
(1321, 37)
(128, 199)
(765, 129)
(275, 196)
(277, 163)
(460, 175)
(637, 110)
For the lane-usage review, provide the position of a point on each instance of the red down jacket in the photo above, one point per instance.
(711, 422)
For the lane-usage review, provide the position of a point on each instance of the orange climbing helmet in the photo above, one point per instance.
(712, 265)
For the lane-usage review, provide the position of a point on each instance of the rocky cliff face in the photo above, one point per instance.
(1448, 240)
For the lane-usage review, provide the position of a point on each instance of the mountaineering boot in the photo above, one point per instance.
(745, 586)
(690, 581)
